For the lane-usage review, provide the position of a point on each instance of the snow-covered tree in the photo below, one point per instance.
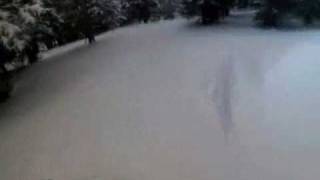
(108, 14)
(22, 23)
(85, 17)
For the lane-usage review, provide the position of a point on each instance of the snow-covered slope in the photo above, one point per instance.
(169, 101)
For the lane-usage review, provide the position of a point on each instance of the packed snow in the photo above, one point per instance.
(172, 101)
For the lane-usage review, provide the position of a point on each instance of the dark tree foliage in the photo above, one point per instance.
(5, 85)
(83, 18)
(139, 10)
(190, 8)
(226, 5)
(243, 3)
(268, 16)
(5, 80)
(169, 8)
(272, 11)
(209, 10)
(308, 10)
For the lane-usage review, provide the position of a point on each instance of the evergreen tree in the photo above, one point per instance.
(209, 10)
(273, 10)
(88, 17)
(226, 5)
(190, 8)
(22, 23)
(308, 10)
(84, 18)
(139, 10)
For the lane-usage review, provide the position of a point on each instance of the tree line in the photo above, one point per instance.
(27, 26)
(271, 13)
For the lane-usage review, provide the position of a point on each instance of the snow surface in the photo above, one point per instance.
(169, 101)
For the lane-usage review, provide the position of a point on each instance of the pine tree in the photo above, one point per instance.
(22, 23)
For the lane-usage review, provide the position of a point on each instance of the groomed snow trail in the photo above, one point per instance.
(170, 101)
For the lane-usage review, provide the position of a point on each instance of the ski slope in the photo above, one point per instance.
(169, 101)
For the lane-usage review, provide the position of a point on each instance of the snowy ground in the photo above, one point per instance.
(170, 101)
